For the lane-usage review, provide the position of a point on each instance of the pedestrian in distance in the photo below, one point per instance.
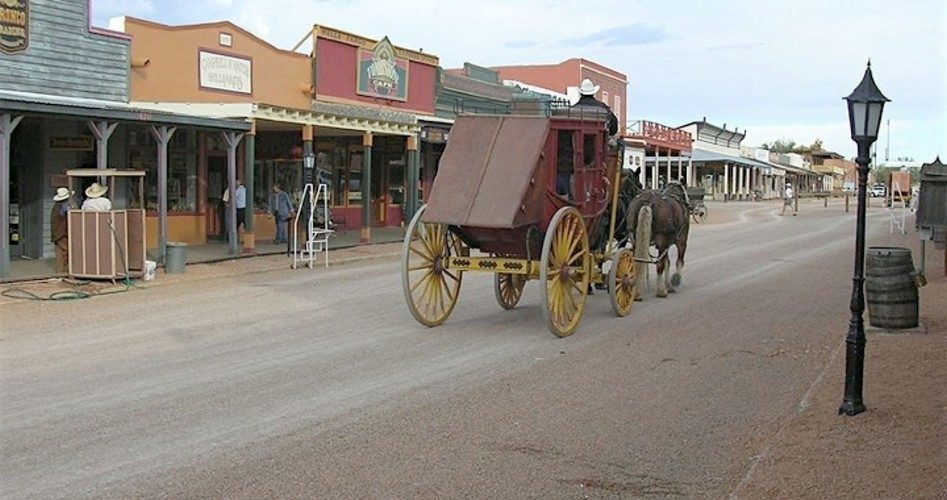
(281, 207)
(59, 227)
(95, 198)
(789, 198)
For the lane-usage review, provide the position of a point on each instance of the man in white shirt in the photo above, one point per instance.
(95, 198)
(789, 198)
(240, 198)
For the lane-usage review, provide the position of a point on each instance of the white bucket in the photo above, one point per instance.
(149, 273)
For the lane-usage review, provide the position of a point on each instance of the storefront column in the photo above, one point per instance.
(366, 232)
(309, 177)
(7, 124)
(726, 181)
(102, 131)
(233, 140)
(667, 178)
(249, 146)
(690, 173)
(162, 136)
(411, 178)
(740, 180)
(656, 168)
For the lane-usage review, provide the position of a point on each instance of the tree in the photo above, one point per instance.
(780, 146)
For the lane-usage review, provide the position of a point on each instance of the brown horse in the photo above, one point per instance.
(669, 225)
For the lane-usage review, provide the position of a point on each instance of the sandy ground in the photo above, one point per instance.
(246, 379)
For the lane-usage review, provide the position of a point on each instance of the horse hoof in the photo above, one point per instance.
(672, 290)
(662, 296)
(676, 280)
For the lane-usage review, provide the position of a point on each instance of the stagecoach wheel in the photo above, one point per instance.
(621, 281)
(700, 213)
(564, 271)
(508, 289)
(430, 289)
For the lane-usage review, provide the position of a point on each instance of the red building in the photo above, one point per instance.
(566, 76)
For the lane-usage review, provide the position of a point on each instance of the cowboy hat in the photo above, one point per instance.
(587, 88)
(62, 194)
(95, 190)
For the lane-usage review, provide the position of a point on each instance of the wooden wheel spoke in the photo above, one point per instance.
(420, 267)
(452, 276)
(423, 279)
(576, 256)
(426, 256)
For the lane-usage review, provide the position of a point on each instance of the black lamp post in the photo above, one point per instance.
(864, 115)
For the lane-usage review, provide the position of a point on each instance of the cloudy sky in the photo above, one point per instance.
(777, 69)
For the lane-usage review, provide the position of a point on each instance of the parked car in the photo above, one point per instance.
(878, 190)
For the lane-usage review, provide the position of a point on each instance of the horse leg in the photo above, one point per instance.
(663, 264)
(642, 230)
(679, 264)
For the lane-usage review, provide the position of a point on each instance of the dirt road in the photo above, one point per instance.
(319, 384)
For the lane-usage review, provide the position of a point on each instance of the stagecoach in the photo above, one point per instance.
(522, 198)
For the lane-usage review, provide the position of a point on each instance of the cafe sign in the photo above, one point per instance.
(227, 73)
(14, 25)
(381, 73)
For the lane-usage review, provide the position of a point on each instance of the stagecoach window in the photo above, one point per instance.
(565, 162)
(588, 149)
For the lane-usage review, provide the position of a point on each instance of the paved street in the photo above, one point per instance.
(318, 383)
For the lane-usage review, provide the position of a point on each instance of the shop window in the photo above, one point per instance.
(286, 173)
(182, 167)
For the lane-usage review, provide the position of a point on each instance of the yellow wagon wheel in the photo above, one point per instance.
(621, 281)
(430, 289)
(508, 289)
(564, 271)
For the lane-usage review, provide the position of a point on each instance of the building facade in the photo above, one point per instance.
(350, 101)
(566, 76)
(64, 104)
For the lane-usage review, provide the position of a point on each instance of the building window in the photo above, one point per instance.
(618, 111)
(605, 97)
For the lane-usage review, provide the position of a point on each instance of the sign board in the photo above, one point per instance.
(225, 72)
(14, 25)
(382, 74)
(79, 143)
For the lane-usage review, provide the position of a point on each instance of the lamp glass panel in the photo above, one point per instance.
(874, 118)
(859, 111)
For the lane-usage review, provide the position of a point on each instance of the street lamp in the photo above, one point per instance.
(309, 161)
(864, 115)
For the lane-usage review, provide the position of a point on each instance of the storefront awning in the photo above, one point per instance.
(704, 156)
(50, 105)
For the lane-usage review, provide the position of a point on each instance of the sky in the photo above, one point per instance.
(775, 69)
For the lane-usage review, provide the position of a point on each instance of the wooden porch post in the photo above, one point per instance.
(411, 179)
(249, 145)
(162, 135)
(7, 124)
(233, 140)
(102, 131)
(366, 232)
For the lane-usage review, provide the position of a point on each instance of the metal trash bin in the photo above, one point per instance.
(175, 257)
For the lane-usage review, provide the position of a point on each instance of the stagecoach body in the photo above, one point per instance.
(505, 201)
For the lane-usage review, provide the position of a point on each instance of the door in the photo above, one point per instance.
(214, 208)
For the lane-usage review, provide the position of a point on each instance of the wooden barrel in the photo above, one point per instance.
(890, 289)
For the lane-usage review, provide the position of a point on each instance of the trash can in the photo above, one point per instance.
(175, 257)
(890, 289)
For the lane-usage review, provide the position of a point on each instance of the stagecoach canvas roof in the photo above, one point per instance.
(485, 170)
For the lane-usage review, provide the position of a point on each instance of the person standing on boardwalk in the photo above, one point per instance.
(59, 227)
(281, 207)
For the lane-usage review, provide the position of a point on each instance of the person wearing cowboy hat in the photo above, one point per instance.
(95, 198)
(588, 103)
(59, 228)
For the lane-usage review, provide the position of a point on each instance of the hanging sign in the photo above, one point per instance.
(14, 25)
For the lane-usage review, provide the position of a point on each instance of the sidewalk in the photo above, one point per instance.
(897, 448)
(214, 251)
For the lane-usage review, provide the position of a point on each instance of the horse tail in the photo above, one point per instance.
(642, 249)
